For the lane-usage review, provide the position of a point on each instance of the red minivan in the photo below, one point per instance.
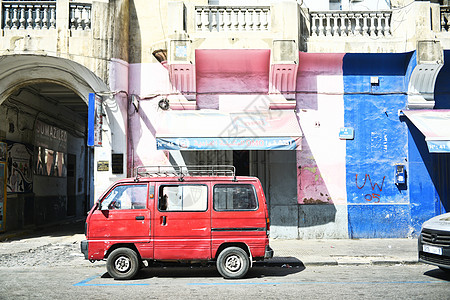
(184, 214)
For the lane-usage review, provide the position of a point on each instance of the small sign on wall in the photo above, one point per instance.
(102, 165)
(347, 133)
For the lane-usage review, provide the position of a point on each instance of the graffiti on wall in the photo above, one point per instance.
(374, 188)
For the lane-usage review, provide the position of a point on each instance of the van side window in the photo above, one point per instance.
(234, 197)
(183, 198)
(131, 196)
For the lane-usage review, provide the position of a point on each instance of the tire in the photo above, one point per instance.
(123, 264)
(233, 263)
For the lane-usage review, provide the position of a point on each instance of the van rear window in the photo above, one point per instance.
(234, 197)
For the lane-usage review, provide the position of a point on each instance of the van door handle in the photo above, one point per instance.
(140, 218)
(164, 221)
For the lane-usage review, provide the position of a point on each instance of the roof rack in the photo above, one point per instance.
(182, 171)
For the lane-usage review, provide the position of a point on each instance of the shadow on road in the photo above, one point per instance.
(259, 270)
(438, 274)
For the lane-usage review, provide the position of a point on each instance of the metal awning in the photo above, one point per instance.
(434, 125)
(214, 130)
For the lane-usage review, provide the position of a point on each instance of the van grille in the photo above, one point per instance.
(437, 238)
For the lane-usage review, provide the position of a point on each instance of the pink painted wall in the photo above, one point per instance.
(320, 108)
(239, 76)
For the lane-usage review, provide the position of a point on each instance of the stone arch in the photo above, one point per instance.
(21, 70)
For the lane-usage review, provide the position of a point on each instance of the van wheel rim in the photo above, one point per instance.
(122, 264)
(233, 263)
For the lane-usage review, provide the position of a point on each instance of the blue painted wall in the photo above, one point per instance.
(377, 207)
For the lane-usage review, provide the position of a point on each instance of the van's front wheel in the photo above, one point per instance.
(233, 263)
(122, 264)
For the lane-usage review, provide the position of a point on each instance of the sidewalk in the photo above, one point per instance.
(286, 252)
(344, 251)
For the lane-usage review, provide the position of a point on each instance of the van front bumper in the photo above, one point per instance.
(268, 253)
(84, 248)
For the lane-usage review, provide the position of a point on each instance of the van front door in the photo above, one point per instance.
(182, 226)
(123, 215)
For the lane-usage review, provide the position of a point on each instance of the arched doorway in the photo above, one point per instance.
(43, 108)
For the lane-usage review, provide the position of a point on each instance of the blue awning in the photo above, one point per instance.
(213, 130)
(434, 125)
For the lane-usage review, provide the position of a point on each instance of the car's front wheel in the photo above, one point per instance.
(122, 264)
(233, 263)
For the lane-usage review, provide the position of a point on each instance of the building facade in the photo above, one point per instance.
(341, 108)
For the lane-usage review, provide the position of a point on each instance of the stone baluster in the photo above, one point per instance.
(351, 18)
(335, 25)
(229, 21)
(205, 20)
(372, 24)
(320, 28)
(214, 19)
(199, 19)
(257, 20)
(242, 23)
(250, 18)
(313, 25)
(7, 16)
(86, 18)
(45, 18)
(22, 19)
(443, 22)
(343, 28)
(37, 19)
(357, 25)
(265, 23)
(221, 19)
(387, 28)
(365, 29)
(380, 25)
(72, 18)
(235, 18)
(15, 19)
(328, 27)
(447, 23)
(30, 17)
(52, 17)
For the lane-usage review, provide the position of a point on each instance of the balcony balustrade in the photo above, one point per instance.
(350, 23)
(29, 15)
(230, 18)
(24, 15)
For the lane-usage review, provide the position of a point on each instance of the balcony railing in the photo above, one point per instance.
(80, 16)
(351, 23)
(445, 18)
(230, 18)
(23, 15)
(29, 14)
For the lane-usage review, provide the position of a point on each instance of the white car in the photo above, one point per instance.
(434, 242)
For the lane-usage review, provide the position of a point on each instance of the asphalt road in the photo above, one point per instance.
(263, 282)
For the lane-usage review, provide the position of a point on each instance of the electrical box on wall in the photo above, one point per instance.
(399, 174)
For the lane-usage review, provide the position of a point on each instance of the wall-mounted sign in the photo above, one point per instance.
(50, 137)
(95, 120)
(102, 165)
(347, 133)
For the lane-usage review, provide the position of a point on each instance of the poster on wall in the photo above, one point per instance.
(3, 151)
(50, 162)
(2, 195)
(19, 174)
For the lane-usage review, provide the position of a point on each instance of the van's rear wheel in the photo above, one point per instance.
(122, 264)
(233, 263)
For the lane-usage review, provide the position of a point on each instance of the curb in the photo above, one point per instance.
(350, 261)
